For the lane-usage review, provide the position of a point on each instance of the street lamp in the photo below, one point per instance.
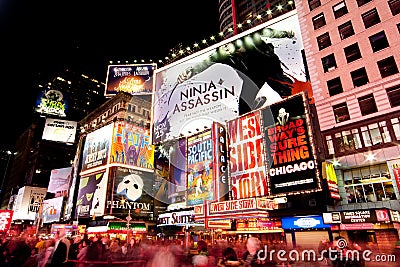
(9, 153)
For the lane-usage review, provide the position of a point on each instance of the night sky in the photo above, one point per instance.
(40, 37)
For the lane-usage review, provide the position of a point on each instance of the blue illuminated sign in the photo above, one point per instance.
(303, 222)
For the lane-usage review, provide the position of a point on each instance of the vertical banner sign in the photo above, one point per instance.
(5, 220)
(220, 161)
(247, 159)
(394, 170)
(177, 168)
(200, 182)
(289, 148)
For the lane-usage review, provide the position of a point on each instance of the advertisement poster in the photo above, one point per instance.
(177, 170)
(289, 148)
(246, 156)
(135, 79)
(51, 210)
(131, 146)
(59, 181)
(394, 170)
(59, 130)
(52, 102)
(132, 192)
(200, 182)
(96, 148)
(5, 220)
(92, 195)
(245, 72)
(29, 200)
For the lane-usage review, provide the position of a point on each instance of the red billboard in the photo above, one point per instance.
(5, 220)
(246, 156)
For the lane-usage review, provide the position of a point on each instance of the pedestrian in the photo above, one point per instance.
(251, 256)
(229, 258)
(201, 259)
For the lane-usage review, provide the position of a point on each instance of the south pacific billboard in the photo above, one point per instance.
(240, 74)
(135, 79)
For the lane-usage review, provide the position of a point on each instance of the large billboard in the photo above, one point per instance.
(59, 181)
(132, 191)
(59, 130)
(248, 71)
(52, 102)
(247, 166)
(96, 148)
(135, 79)
(290, 149)
(51, 209)
(131, 145)
(92, 194)
(28, 202)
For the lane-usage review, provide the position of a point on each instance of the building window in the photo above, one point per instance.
(375, 134)
(348, 140)
(346, 30)
(387, 67)
(324, 41)
(367, 104)
(313, 4)
(396, 127)
(359, 77)
(394, 6)
(335, 86)
(362, 2)
(319, 21)
(329, 62)
(352, 52)
(393, 94)
(340, 9)
(368, 184)
(378, 41)
(341, 112)
(329, 145)
(370, 18)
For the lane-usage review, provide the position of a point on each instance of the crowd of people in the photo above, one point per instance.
(84, 251)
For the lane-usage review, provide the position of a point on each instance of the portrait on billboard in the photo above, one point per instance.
(246, 72)
(92, 195)
(132, 192)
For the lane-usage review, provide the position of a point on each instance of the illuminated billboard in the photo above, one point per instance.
(131, 146)
(250, 70)
(246, 156)
(52, 102)
(51, 209)
(96, 148)
(206, 166)
(289, 146)
(59, 181)
(59, 130)
(28, 201)
(132, 191)
(92, 195)
(135, 79)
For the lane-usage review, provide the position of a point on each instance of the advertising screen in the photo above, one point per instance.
(135, 79)
(51, 209)
(92, 195)
(132, 193)
(59, 180)
(59, 130)
(131, 146)
(96, 148)
(289, 147)
(246, 156)
(250, 70)
(200, 182)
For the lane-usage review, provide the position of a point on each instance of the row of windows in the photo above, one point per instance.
(340, 9)
(367, 104)
(346, 29)
(363, 137)
(386, 66)
(368, 184)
